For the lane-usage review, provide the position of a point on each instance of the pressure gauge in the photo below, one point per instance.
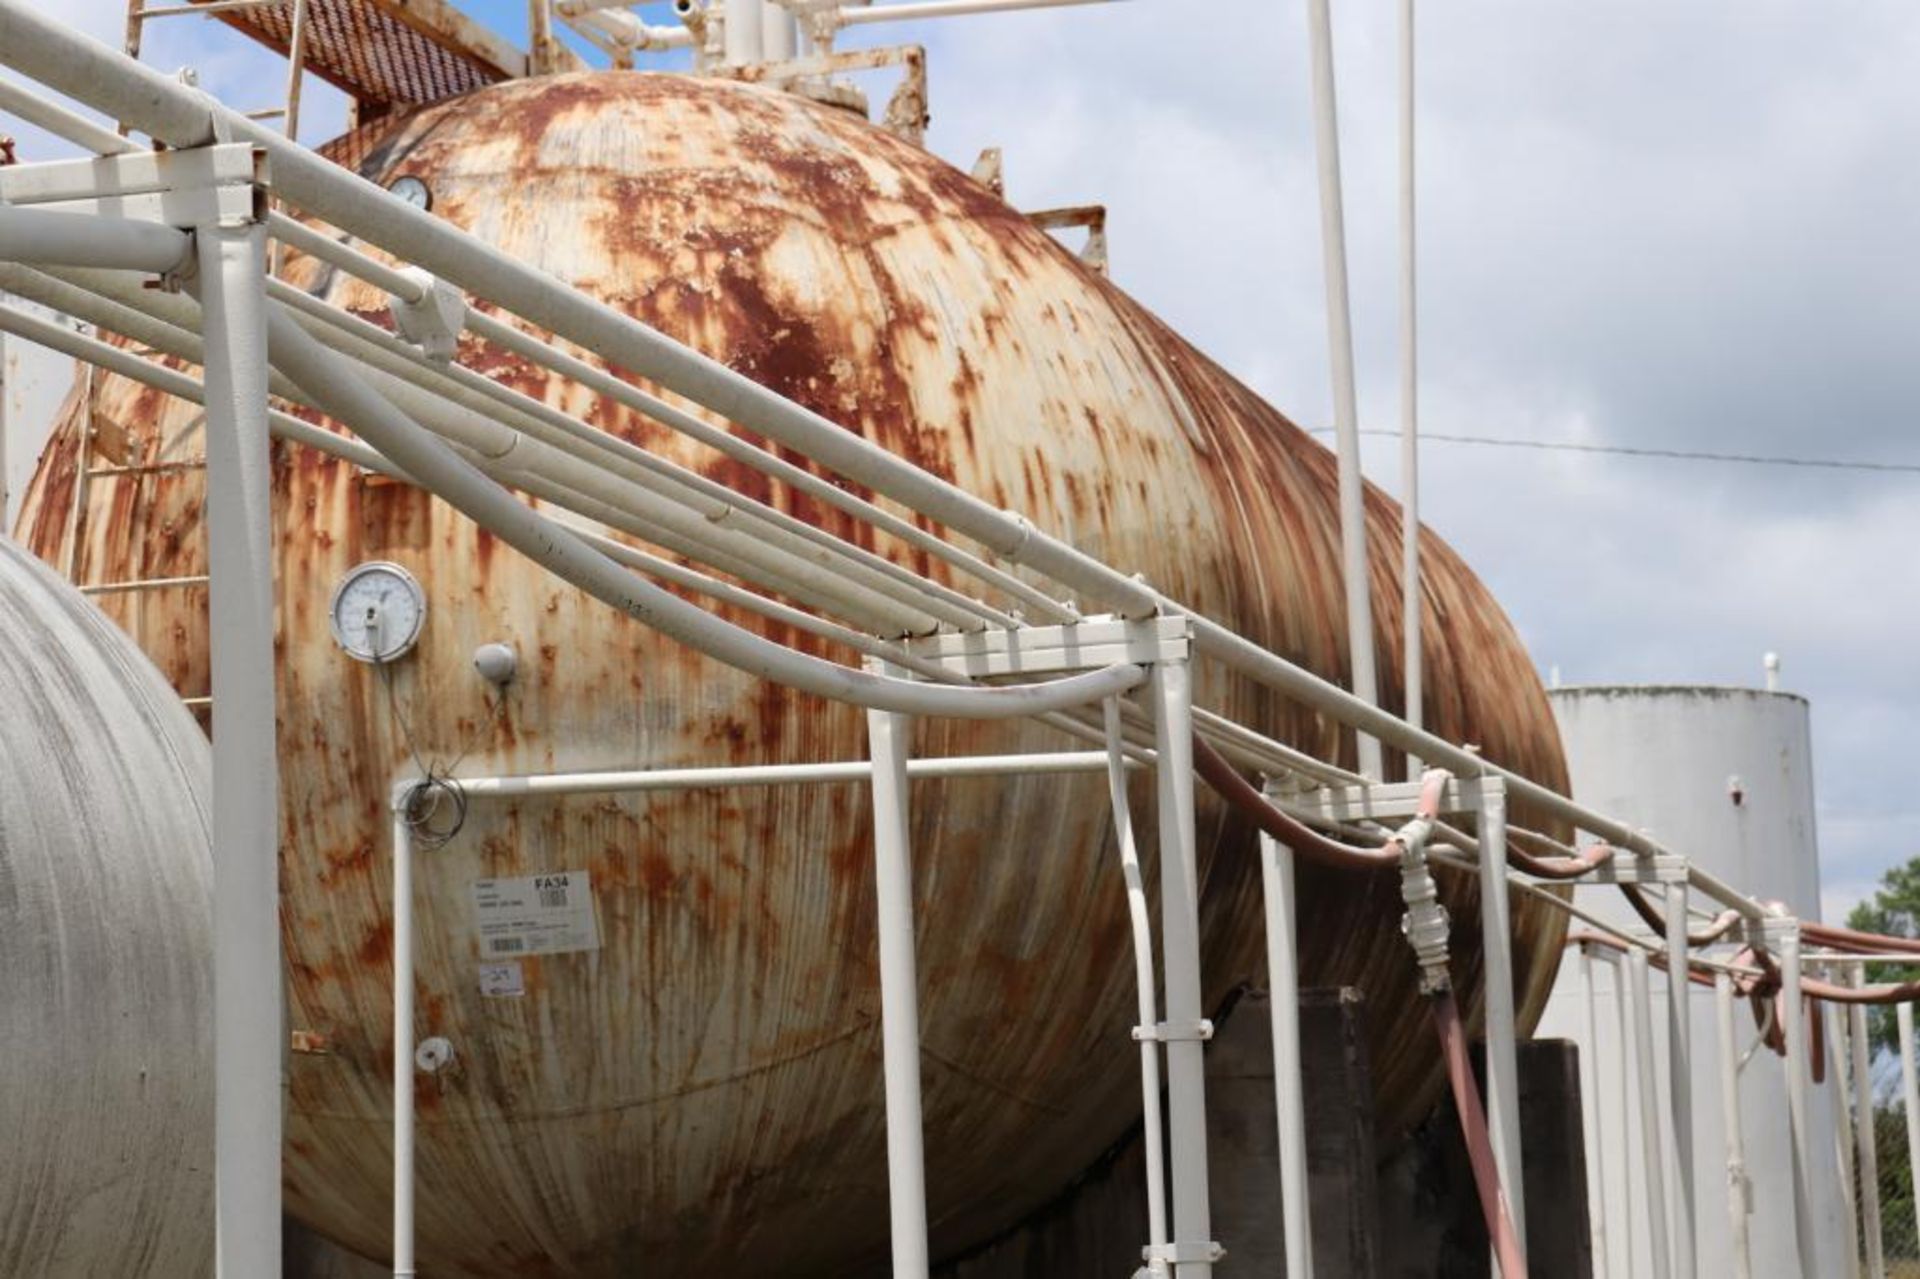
(377, 612)
(413, 191)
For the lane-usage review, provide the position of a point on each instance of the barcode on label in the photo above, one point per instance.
(508, 945)
(553, 898)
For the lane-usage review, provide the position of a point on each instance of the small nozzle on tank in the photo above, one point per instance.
(497, 663)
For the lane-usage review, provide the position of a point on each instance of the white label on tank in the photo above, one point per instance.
(503, 981)
(539, 915)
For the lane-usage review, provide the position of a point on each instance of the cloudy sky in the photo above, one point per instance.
(1672, 225)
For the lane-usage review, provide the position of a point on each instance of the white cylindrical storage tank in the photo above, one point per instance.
(106, 1097)
(1724, 776)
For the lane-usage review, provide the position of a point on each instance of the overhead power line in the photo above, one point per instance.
(1627, 450)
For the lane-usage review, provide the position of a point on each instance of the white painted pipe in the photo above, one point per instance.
(742, 31)
(779, 33)
(1346, 414)
(1172, 701)
(1595, 1124)
(1838, 1063)
(334, 386)
(1653, 1155)
(1866, 1147)
(1502, 1029)
(861, 771)
(249, 1030)
(913, 11)
(1410, 607)
(622, 29)
(154, 103)
(1806, 1239)
(85, 239)
(403, 1037)
(1152, 1135)
(1625, 1090)
(1910, 1097)
(1738, 1203)
(1283, 969)
(889, 741)
(1680, 1079)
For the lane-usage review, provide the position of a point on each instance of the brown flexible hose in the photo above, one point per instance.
(1501, 1235)
(1225, 780)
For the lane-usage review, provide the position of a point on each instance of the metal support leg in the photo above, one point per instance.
(1276, 870)
(1680, 1079)
(1797, 1085)
(1910, 1095)
(249, 1032)
(1867, 1153)
(403, 1046)
(1839, 1064)
(888, 741)
(1503, 1069)
(1738, 1200)
(1171, 690)
(1590, 1104)
(1652, 1156)
(1623, 1014)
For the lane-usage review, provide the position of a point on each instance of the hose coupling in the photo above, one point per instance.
(1426, 923)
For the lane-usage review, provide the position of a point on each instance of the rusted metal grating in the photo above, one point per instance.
(387, 51)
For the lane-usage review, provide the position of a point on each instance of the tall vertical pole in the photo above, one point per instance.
(1738, 1205)
(1410, 399)
(1845, 1164)
(1868, 1155)
(1283, 967)
(889, 739)
(1346, 413)
(1651, 1148)
(1680, 1077)
(403, 1045)
(1590, 1103)
(1910, 1096)
(1496, 938)
(249, 1034)
(6, 437)
(1788, 946)
(1172, 693)
(543, 47)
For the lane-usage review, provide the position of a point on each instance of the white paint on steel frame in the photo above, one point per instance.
(1660, 757)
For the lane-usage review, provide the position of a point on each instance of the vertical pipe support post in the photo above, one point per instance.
(1496, 935)
(1283, 969)
(1594, 1119)
(1867, 1152)
(249, 1032)
(1739, 1189)
(1346, 413)
(1171, 691)
(1782, 933)
(403, 1037)
(744, 31)
(1910, 1096)
(1652, 1149)
(1625, 1091)
(889, 737)
(1680, 1076)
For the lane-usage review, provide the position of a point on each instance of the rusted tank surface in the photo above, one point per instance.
(106, 989)
(703, 1091)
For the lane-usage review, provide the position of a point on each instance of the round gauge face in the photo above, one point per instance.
(412, 190)
(377, 612)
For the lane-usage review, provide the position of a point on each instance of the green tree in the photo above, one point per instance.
(1895, 911)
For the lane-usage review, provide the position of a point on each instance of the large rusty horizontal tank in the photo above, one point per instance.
(702, 1092)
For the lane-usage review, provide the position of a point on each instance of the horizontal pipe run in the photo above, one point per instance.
(666, 779)
(435, 466)
(36, 236)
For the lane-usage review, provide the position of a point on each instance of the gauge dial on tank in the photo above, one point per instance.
(412, 190)
(377, 612)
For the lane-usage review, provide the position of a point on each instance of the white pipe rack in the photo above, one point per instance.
(453, 430)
